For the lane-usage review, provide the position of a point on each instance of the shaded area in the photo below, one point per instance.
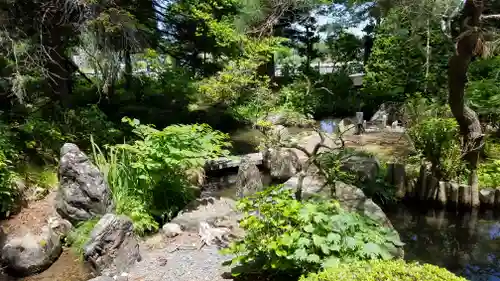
(466, 243)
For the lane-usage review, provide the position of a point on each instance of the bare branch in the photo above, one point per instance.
(493, 17)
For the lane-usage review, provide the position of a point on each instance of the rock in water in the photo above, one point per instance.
(282, 163)
(248, 179)
(83, 192)
(113, 247)
(30, 254)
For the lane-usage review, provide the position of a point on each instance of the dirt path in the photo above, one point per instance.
(31, 218)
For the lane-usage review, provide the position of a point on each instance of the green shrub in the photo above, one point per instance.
(8, 158)
(7, 191)
(81, 123)
(489, 174)
(80, 235)
(295, 237)
(397, 270)
(148, 177)
(41, 139)
(437, 140)
(44, 177)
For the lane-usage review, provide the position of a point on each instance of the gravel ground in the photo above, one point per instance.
(184, 264)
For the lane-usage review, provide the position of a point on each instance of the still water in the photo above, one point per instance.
(466, 243)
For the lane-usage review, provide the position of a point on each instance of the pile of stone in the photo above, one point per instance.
(83, 194)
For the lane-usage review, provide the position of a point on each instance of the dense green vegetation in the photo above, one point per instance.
(383, 270)
(152, 89)
(291, 237)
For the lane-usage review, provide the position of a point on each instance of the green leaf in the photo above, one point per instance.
(304, 242)
(371, 249)
(333, 237)
(313, 258)
(286, 239)
(331, 262)
(300, 254)
(309, 228)
(318, 240)
(351, 242)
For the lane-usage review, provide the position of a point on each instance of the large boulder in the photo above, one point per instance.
(83, 192)
(31, 254)
(290, 119)
(282, 163)
(365, 167)
(113, 247)
(214, 211)
(248, 180)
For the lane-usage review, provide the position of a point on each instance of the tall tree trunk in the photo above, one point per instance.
(428, 56)
(468, 45)
(59, 75)
(128, 68)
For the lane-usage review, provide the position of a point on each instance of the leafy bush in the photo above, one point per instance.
(397, 270)
(44, 177)
(8, 158)
(293, 237)
(81, 123)
(42, 139)
(437, 140)
(7, 191)
(80, 235)
(489, 174)
(148, 177)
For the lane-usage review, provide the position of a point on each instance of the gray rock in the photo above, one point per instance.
(102, 278)
(171, 229)
(487, 196)
(279, 133)
(113, 247)
(83, 192)
(282, 163)
(211, 210)
(367, 168)
(31, 254)
(60, 226)
(248, 179)
(290, 119)
(346, 127)
(441, 194)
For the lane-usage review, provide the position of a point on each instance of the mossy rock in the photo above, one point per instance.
(394, 270)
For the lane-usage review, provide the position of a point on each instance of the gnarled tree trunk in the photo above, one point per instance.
(469, 44)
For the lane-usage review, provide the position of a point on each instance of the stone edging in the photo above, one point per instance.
(426, 188)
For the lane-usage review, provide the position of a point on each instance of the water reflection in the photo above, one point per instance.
(467, 244)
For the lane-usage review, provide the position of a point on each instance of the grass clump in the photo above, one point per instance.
(148, 176)
(80, 235)
(397, 270)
